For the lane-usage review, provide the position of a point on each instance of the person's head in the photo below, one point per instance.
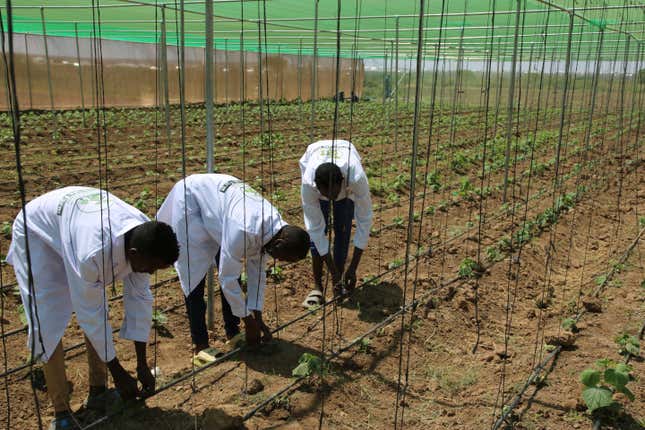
(291, 243)
(329, 180)
(151, 246)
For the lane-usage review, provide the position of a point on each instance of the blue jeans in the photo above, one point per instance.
(196, 310)
(343, 216)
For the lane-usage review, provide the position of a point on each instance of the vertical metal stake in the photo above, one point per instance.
(511, 97)
(31, 100)
(164, 75)
(314, 75)
(80, 72)
(49, 74)
(210, 137)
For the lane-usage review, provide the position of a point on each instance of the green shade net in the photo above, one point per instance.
(368, 27)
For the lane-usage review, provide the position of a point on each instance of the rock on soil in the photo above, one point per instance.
(255, 386)
(560, 339)
(592, 305)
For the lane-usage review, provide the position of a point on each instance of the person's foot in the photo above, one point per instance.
(101, 399)
(230, 335)
(63, 421)
(315, 298)
(340, 291)
(201, 347)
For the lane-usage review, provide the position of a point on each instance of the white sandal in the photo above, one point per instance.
(315, 298)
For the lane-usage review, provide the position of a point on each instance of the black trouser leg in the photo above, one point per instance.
(231, 322)
(196, 310)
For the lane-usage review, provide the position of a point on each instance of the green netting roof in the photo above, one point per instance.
(466, 26)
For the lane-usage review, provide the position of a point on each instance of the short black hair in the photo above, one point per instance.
(296, 241)
(328, 174)
(155, 239)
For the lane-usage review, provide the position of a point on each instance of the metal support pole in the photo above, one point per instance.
(281, 75)
(80, 72)
(594, 92)
(31, 100)
(164, 75)
(209, 136)
(396, 90)
(567, 70)
(314, 74)
(242, 76)
(300, 81)
(511, 97)
(226, 68)
(49, 73)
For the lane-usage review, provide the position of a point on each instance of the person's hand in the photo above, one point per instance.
(266, 331)
(125, 383)
(350, 279)
(144, 375)
(252, 329)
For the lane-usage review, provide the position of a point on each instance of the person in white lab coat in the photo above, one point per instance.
(78, 240)
(221, 220)
(332, 171)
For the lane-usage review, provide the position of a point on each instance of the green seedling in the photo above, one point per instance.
(468, 269)
(6, 229)
(276, 273)
(21, 314)
(159, 319)
(308, 365)
(492, 254)
(395, 263)
(364, 345)
(600, 384)
(628, 345)
(398, 222)
(569, 324)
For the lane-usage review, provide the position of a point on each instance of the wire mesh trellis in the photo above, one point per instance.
(477, 104)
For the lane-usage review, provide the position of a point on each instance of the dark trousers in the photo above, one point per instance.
(196, 310)
(343, 216)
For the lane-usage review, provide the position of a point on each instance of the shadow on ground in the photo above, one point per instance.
(375, 302)
(279, 357)
(141, 417)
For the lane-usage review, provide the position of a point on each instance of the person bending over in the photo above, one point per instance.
(332, 175)
(221, 220)
(80, 240)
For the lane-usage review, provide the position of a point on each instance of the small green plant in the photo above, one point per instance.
(22, 314)
(141, 202)
(628, 345)
(641, 221)
(364, 345)
(600, 384)
(466, 190)
(6, 229)
(569, 324)
(308, 365)
(468, 268)
(434, 181)
(600, 279)
(276, 274)
(159, 319)
(278, 196)
(398, 221)
(395, 263)
(493, 254)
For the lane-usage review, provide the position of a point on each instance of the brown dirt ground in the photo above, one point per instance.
(448, 385)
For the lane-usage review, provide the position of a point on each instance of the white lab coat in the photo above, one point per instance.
(210, 212)
(68, 242)
(355, 187)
